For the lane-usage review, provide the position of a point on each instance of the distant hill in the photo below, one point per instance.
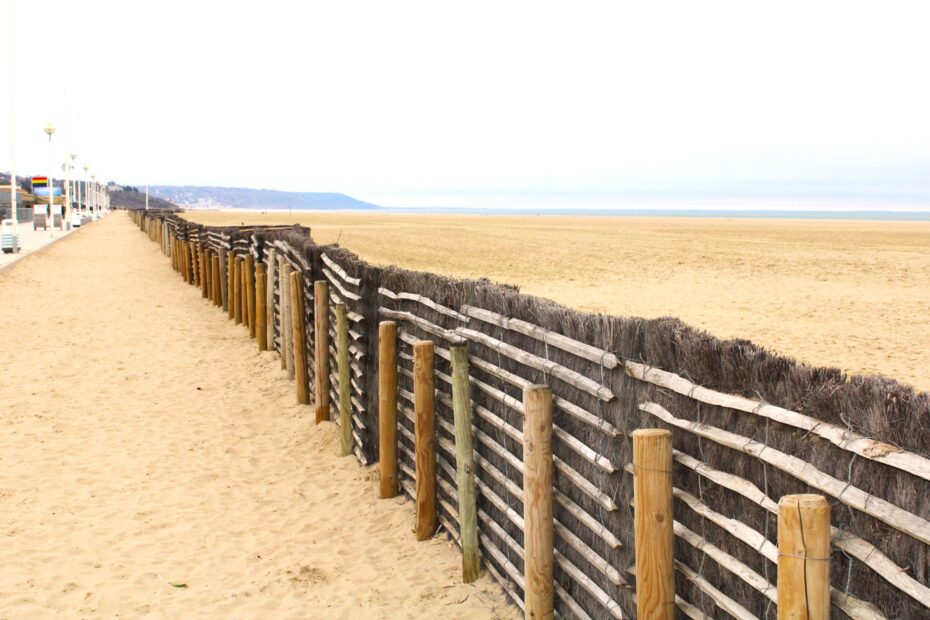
(193, 197)
(131, 198)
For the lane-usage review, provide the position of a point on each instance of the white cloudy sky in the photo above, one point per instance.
(484, 103)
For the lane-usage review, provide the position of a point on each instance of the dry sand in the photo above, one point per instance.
(145, 441)
(850, 294)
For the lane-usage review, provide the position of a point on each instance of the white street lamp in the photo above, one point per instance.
(86, 189)
(13, 215)
(50, 129)
(73, 156)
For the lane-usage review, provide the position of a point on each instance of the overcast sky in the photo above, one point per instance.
(484, 103)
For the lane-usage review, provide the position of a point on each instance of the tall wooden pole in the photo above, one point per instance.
(250, 292)
(803, 558)
(261, 284)
(465, 463)
(537, 502)
(321, 347)
(230, 283)
(387, 407)
(654, 537)
(298, 324)
(425, 438)
(345, 402)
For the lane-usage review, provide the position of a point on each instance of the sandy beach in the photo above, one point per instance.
(154, 464)
(851, 294)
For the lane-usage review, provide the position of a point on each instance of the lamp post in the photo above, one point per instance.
(93, 193)
(13, 215)
(86, 192)
(50, 129)
(71, 189)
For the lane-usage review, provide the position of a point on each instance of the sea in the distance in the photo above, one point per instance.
(765, 214)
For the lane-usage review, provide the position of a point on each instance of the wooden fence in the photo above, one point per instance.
(747, 428)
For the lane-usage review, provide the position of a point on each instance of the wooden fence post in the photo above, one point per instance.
(284, 301)
(321, 347)
(195, 265)
(237, 290)
(287, 333)
(652, 519)
(465, 462)
(269, 302)
(208, 266)
(425, 438)
(261, 284)
(803, 557)
(387, 407)
(250, 292)
(217, 289)
(204, 270)
(243, 293)
(537, 502)
(192, 261)
(189, 262)
(227, 303)
(345, 402)
(298, 324)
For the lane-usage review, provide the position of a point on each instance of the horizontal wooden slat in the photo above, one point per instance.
(852, 496)
(837, 435)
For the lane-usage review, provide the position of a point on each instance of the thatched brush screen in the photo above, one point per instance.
(748, 428)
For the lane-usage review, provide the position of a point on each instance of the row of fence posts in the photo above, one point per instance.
(803, 520)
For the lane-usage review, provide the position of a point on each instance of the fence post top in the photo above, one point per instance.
(388, 324)
(803, 500)
(652, 432)
(423, 344)
(537, 387)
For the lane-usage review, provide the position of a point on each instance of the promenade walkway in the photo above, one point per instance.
(31, 241)
(153, 463)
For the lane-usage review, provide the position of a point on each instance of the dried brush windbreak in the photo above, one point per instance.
(593, 492)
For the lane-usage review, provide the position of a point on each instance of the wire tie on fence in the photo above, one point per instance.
(658, 471)
(848, 477)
